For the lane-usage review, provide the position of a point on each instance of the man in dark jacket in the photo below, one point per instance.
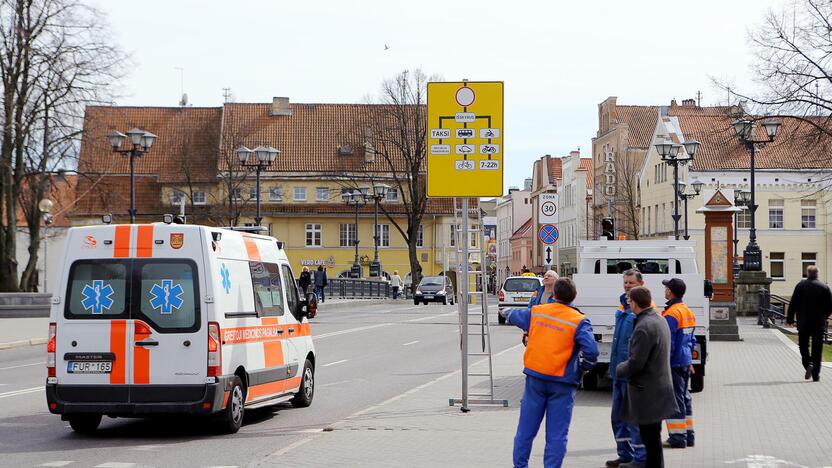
(812, 303)
(305, 280)
(320, 283)
(650, 397)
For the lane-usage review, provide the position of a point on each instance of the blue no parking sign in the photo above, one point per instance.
(548, 233)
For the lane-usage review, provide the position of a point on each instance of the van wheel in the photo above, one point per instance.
(445, 301)
(590, 381)
(84, 423)
(233, 414)
(307, 387)
(697, 383)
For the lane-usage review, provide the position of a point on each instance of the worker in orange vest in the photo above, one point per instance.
(561, 349)
(682, 323)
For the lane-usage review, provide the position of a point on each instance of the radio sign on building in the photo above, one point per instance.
(465, 139)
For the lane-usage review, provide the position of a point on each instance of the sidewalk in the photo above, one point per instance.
(756, 411)
(16, 332)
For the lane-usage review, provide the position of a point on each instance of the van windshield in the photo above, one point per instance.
(647, 266)
(162, 292)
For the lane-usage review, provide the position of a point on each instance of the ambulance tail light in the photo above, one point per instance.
(214, 350)
(502, 296)
(50, 350)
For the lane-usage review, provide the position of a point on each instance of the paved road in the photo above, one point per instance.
(366, 355)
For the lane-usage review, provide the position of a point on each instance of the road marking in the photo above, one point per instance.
(350, 330)
(115, 465)
(267, 461)
(21, 392)
(57, 463)
(334, 363)
(411, 343)
(431, 317)
(146, 447)
(24, 365)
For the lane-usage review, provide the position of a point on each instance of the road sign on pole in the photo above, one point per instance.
(548, 234)
(548, 209)
(465, 139)
(548, 259)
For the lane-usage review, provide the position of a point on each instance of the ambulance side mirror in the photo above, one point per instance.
(310, 306)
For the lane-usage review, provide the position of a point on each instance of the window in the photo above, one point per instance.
(168, 296)
(420, 236)
(268, 295)
(275, 194)
(384, 235)
(347, 234)
(322, 194)
(777, 264)
(292, 297)
(808, 212)
(198, 198)
(252, 193)
(656, 221)
(775, 214)
(97, 289)
(647, 266)
(807, 259)
(392, 194)
(236, 195)
(300, 194)
(177, 198)
(313, 235)
(744, 219)
(453, 235)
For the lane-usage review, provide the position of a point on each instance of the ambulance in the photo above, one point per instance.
(152, 319)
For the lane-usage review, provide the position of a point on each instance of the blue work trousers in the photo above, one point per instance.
(680, 425)
(627, 436)
(554, 400)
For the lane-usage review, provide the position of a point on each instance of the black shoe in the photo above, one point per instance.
(690, 443)
(631, 465)
(617, 462)
(816, 378)
(808, 373)
(668, 444)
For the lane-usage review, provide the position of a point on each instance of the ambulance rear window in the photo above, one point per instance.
(97, 289)
(167, 294)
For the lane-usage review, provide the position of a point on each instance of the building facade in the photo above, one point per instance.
(513, 210)
(521, 249)
(546, 173)
(574, 208)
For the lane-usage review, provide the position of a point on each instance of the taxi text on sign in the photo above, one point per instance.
(465, 139)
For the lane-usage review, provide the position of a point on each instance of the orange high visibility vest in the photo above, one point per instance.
(683, 315)
(551, 338)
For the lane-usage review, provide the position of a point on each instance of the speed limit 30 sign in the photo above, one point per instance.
(548, 208)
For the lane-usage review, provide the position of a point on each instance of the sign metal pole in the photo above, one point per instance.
(463, 311)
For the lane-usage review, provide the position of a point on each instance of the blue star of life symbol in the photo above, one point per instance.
(98, 297)
(166, 296)
(226, 278)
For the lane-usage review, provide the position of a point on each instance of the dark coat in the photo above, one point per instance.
(812, 303)
(320, 279)
(650, 396)
(305, 280)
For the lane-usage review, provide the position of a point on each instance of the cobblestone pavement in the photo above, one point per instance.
(756, 411)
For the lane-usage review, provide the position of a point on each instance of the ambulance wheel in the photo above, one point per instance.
(84, 423)
(590, 381)
(232, 417)
(697, 383)
(307, 387)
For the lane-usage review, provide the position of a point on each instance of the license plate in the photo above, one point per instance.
(522, 298)
(428, 296)
(89, 367)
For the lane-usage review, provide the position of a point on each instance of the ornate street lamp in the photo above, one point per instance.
(45, 207)
(356, 198)
(741, 200)
(752, 257)
(379, 194)
(670, 154)
(696, 185)
(264, 156)
(141, 142)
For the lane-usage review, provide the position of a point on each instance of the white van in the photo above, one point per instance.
(600, 283)
(171, 318)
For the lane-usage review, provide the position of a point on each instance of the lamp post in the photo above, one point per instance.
(752, 257)
(264, 157)
(45, 207)
(669, 153)
(141, 142)
(741, 198)
(379, 193)
(697, 187)
(356, 198)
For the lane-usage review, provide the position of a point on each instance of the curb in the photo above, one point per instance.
(21, 343)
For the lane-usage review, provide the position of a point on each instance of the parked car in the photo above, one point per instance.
(517, 291)
(435, 289)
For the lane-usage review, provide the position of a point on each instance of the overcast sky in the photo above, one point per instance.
(558, 59)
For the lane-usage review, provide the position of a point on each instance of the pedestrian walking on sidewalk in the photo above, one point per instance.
(396, 284)
(627, 438)
(305, 280)
(320, 283)
(681, 323)
(812, 304)
(561, 349)
(650, 398)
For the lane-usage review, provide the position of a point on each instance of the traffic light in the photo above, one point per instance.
(608, 228)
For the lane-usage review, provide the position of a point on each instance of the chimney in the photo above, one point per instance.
(689, 103)
(280, 106)
(575, 154)
(673, 103)
(527, 184)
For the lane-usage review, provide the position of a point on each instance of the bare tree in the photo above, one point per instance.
(626, 207)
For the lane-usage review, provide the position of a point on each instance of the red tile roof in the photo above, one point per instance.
(586, 165)
(640, 121)
(522, 231)
(555, 168)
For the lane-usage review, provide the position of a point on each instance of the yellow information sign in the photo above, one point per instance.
(465, 139)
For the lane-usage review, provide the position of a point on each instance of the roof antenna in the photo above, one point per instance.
(699, 99)
(226, 94)
(183, 100)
